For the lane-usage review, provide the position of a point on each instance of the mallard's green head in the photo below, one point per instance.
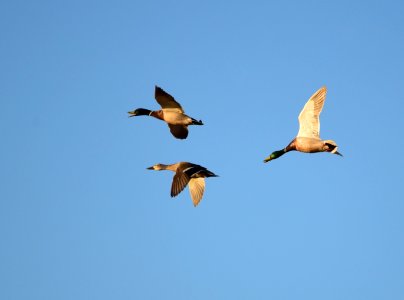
(274, 155)
(139, 112)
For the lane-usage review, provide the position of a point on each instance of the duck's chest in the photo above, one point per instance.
(158, 114)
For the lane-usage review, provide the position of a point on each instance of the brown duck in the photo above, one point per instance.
(308, 138)
(171, 112)
(187, 174)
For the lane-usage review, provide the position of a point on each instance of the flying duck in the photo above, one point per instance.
(171, 112)
(308, 138)
(187, 173)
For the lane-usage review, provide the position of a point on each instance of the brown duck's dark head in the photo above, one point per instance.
(139, 112)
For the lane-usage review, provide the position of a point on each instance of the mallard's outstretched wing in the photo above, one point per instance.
(309, 118)
(166, 101)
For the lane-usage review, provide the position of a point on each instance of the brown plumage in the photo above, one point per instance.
(171, 112)
(308, 138)
(187, 174)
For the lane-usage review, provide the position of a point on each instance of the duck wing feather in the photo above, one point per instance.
(180, 181)
(196, 189)
(179, 131)
(309, 117)
(166, 101)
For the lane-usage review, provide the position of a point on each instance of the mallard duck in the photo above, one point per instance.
(308, 138)
(187, 173)
(171, 112)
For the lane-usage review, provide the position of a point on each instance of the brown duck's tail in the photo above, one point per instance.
(196, 122)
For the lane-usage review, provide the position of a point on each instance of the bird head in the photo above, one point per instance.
(332, 147)
(157, 167)
(274, 155)
(139, 112)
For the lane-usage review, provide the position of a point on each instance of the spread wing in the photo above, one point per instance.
(166, 101)
(196, 189)
(179, 131)
(309, 118)
(180, 181)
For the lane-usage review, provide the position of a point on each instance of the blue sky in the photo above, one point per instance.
(82, 218)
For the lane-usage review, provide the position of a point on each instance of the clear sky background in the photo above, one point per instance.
(82, 218)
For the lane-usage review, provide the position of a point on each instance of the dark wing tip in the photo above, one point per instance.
(158, 90)
(179, 131)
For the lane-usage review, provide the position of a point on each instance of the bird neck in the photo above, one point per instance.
(143, 112)
(172, 167)
(291, 146)
(163, 167)
(278, 153)
(158, 114)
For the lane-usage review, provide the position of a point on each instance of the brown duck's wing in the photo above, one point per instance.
(179, 131)
(166, 101)
(309, 118)
(196, 189)
(180, 181)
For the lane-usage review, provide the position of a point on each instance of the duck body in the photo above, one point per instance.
(175, 118)
(170, 117)
(172, 113)
(312, 145)
(308, 138)
(189, 174)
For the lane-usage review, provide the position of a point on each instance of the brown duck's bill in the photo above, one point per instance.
(132, 114)
(336, 152)
(150, 168)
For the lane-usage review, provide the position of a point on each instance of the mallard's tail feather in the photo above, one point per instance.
(196, 122)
